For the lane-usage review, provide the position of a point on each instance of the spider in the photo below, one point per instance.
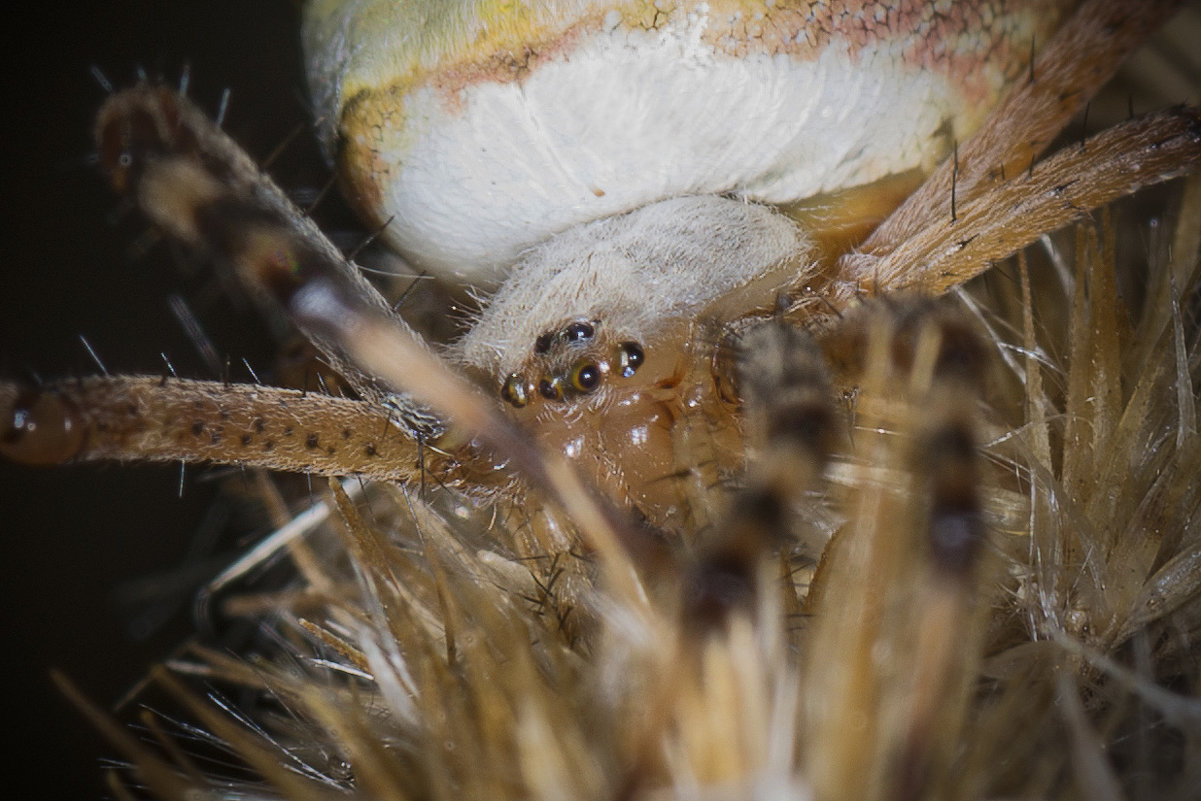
(587, 323)
(561, 367)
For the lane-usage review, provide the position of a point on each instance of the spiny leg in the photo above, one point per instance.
(902, 576)
(167, 420)
(201, 188)
(1082, 56)
(1005, 218)
(991, 198)
(791, 425)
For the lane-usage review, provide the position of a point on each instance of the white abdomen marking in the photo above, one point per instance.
(475, 155)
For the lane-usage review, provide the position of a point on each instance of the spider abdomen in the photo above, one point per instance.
(478, 133)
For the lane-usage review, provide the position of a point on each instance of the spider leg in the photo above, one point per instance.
(791, 423)
(1002, 220)
(1082, 56)
(986, 169)
(168, 420)
(200, 187)
(904, 572)
(902, 576)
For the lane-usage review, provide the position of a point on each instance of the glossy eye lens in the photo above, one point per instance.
(551, 388)
(585, 376)
(629, 358)
(514, 390)
(578, 332)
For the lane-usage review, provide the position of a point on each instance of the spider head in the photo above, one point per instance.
(647, 394)
(600, 342)
(585, 368)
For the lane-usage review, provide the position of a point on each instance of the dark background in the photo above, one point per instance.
(75, 538)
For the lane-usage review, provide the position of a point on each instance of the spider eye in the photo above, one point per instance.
(585, 376)
(551, 388)
(542, 343)
(578, 332)
(514, 390)
(629, 358)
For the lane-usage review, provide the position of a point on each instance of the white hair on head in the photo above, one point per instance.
(637, 273)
